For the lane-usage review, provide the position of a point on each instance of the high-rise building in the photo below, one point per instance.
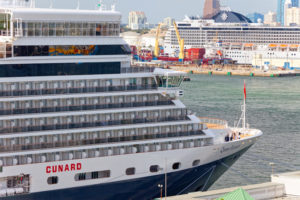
(137, 20)
(168, 21)
(280, 11)
(295, 3)
(254, 17)
(270, 19)
(281, 8)
(211, 7)
(292, 16)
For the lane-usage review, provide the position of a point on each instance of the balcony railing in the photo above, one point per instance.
(212, 123)
(91, 124)
(138, 70)
(5, 33)
(29, 92)
(72, 143)
(120, 149)
(84, 107)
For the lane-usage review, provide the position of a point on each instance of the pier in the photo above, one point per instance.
(283, 186)
(234, 70)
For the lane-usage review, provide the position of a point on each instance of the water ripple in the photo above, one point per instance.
(273, 106)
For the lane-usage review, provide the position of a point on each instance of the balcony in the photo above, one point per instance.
(212, 123)
(29, 92)
(84, 107)
(73, 143)
(73, 125)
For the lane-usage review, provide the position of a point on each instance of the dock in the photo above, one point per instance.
(237, 72)
(285, 186)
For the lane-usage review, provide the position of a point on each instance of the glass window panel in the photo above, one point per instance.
(85, 29)
(25, 29)
(60, 29)
(30, 29)
(104, 29)
(72, 29)
(67, 29)
(98, 29)
(45, 29)
(78, 29)
(92, 29)
(51, 29)
(38, 29)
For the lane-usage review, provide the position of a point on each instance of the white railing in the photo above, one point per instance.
(5, 33)
(213, 123)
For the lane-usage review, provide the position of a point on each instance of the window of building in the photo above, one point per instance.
(52, 180)
(130, 171)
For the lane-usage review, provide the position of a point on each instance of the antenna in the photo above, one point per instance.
(78, 4)
(32, 4)
(113, 6)
(51, 4)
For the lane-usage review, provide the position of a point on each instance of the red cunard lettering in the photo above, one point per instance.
(63, 168)
(78, 166)
(67, 168)
(60, 168)
(48, 169)
(54, 169)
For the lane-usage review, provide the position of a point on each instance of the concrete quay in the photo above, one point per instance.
(235, 71)
(285, 186)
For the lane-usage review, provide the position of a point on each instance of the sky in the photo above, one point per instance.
(157, 10)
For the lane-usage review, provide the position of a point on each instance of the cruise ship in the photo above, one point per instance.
(78, 122)
(236, 36)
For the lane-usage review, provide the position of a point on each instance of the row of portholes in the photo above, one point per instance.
(107, 173)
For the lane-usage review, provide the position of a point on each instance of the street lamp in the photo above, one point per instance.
(161, 190)
(272, 165)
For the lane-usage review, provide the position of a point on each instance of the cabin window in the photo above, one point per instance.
(154, 168)
(176, 165)
(52, 180)
(92, 175)
(130, 171)
(196, 163)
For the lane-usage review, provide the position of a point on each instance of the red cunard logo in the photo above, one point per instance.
(63, 168)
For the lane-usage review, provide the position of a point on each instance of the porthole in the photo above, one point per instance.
(196, 163)
(176, 165)
(52, 180)
(154, 168)
(130, 171)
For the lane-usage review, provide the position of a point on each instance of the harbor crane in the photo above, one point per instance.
(180, 43)
(156, 50)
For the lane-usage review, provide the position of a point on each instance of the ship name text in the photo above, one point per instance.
(63, 168)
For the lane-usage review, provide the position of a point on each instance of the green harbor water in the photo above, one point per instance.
(273, 106)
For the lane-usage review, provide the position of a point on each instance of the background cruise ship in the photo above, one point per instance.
(237, 37)
(77, 122)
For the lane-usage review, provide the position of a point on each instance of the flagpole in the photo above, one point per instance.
(244, 118)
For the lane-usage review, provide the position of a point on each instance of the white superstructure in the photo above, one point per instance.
(77, 122)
